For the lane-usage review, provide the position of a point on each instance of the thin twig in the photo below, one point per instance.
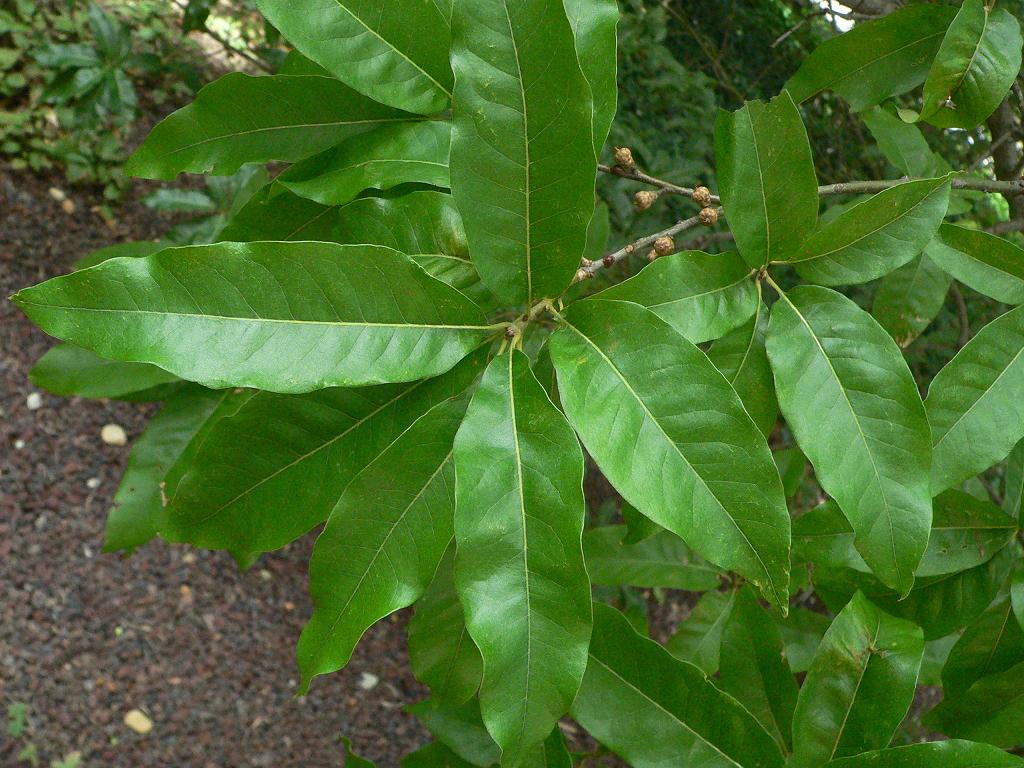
(1004, 227)
(665, 186)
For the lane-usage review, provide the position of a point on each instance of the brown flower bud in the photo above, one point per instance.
(652, 255)
(608, 260)
(709, 216)
(702, 196)
(581, 275)
(510, 332)
(644, 199)
(624, 158)
(663, 246)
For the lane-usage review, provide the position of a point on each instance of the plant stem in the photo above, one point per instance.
(665, 186)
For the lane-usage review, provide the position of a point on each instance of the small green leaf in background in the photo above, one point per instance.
(640, 394)
(661, 560)
(1013, 492)
(698, 638)
(991, 710)
(860, 685)
(519, 569)
(792, 466)
(974, 67)
(989, 264)
(396, 53)
(908, 299)
(662, 708)
(754, 668)
(381, 159)
(902, 143)
(382, 542)
(992, 643)
(875, 237)
(434, 755)
(701, 295)
(522, 159)
(766, 174)
(241, 119)
(70, 371)
(933, 754)
(593, 25)
(352, 760)
(876, 59)
(132, 249)
(852, 402)
(286, 317)
(974, 403)
(460, 729)
(802, 632)
(741, 357)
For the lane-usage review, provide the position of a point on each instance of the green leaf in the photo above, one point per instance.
(461, 729)
(653, 709)
(698, 638)
(939, 604)
(441, 653)
(352, 760)
(1017, 594)
(792, 466)
(70, 371)
(297, 453)
(297, 64)
(860, 685)
(741, 357)
(598, 232)
(396, 53)
(661, 560)
(522, 160)
(434, 755)
(974, 68)
(876, 59)
(240, 119)
(933, 754)
(593, 25)
(754, 668)
(671, 435)
(275, 213)
(1013, 497)
(133, 249)
(991, 710)
(974, 404)
(908, 299)
(902, 143)
(286, 317)
(875, 237)
(139, 501)
(767, 180)
(638, 527)
(550, 753)
(992, 643)
(383, 540)
(966, 532)
(701, 295)
(987, 263)
(381, 159)
(853, 405)
(801, 633)
(519, 569)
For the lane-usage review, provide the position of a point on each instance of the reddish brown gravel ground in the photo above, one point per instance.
(204, 651)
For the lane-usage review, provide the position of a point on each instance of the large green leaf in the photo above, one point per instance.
(876, 59)
(434, 755)
(851, 401)
(138, 503)
(70, 371)
(966, 532)
(754, 668)
(671, 435)
(441, 653)
(460, 728)
(240, 119)
(593, 24)
(287, 317)
(992, 643)
(522, 160)
(933, 754)
(974, 403)
(661, 560)
(902, 143)
(382, 159)
(294, 453)
(875, 237)
(701, 295)
(976, 64)
(519, 568)
(908, 300)
(939, 604)
(991, 710)
(859, 686)
(276, 213)
(395, 52)
(987, 263)
(767, 180)
(741, 357)
(698, 638)
(655, 710)
(383, 541)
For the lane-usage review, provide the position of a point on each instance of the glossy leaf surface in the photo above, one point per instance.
(989, 264)
(661, 560)
(74, 372)
(698, 638)
(933, 754)
(741, 357)
(593, 25)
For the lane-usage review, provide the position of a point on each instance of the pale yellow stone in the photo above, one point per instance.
(138, 721)
(112, 434)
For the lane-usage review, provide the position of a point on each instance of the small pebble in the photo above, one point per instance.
(68, 206)
(57, 194)
(112, 434)
(138, 721)
(368, 681)
(92, 483)
(34, 401)
(19, 444)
